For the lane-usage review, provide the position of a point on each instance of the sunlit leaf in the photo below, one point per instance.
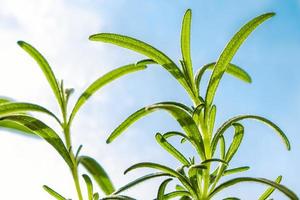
(232, 70)
(236, 142)
(197, 114)
(228, 53)
(20, 108)
(270, 190)
(53, 193)
(118, 197)
(89, 186)
(214, 160)
(5, 100)
(235, 181)
(140, 180)
(171, 149)
(164, 169)
(175, 194)
(41, 129)
(162, 188)
(96, 196)
(98, 174)
(178, 111)
(42, 62)
(211, 119)
(222, 147)
(13, 126)
(145, 49)
(175, 133)
(185, 44)
(235, 170)
(233, 120)
(104, 80)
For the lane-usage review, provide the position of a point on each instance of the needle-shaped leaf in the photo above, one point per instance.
(89, 186)
(5, 99)
(198, 113)
(98, 174)
(233, 120)
(102, 81)
(160, 167)
(232, 70)
(236, 141)
(13, 126)
(96, 196)
(171, 149)
(164, 169)
(44, 65)
(214, 160)
(186, 42)
(211, 119)
(235, 181)
(145, 49)
(177, 110)
(235, 170)
(20, 107)
(56, 195)
(222, 147)
(175, 194)
(162, 188)
(140, 180)
(270, 190)
(228, 53)
(194, 169)
(179, 187)
(118, 197)
(41, 129)
(175, 133)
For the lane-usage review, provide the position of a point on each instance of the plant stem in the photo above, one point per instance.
(76, 181)
(206, 172)
(203, 127)
(74, 170)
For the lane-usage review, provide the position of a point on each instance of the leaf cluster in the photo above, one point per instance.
(199, 176)
(17, 116)
(196, 177)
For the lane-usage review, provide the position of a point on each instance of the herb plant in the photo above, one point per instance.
(16, 116)
(198, 178)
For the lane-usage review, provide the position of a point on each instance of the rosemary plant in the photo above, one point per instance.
(16, 116)
(198, 178)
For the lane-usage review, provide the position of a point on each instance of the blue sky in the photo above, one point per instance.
(60, 30)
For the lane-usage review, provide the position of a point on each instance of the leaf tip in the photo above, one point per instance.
(271, 14)
(94, 37)
(21, 43)
(188, 11)
(126, 171)
(108, 141)
(45, 187)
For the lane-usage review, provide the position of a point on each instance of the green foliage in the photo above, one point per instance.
(198, 178)
(98, 173)
(270, 190)
(53, 193)
(16, 116)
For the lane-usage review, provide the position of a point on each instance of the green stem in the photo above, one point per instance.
(76, 181)
(74, 170)
(206, 172)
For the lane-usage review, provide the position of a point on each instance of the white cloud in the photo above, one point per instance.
(59, 30)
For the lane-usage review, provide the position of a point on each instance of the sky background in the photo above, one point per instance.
(60, 30)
